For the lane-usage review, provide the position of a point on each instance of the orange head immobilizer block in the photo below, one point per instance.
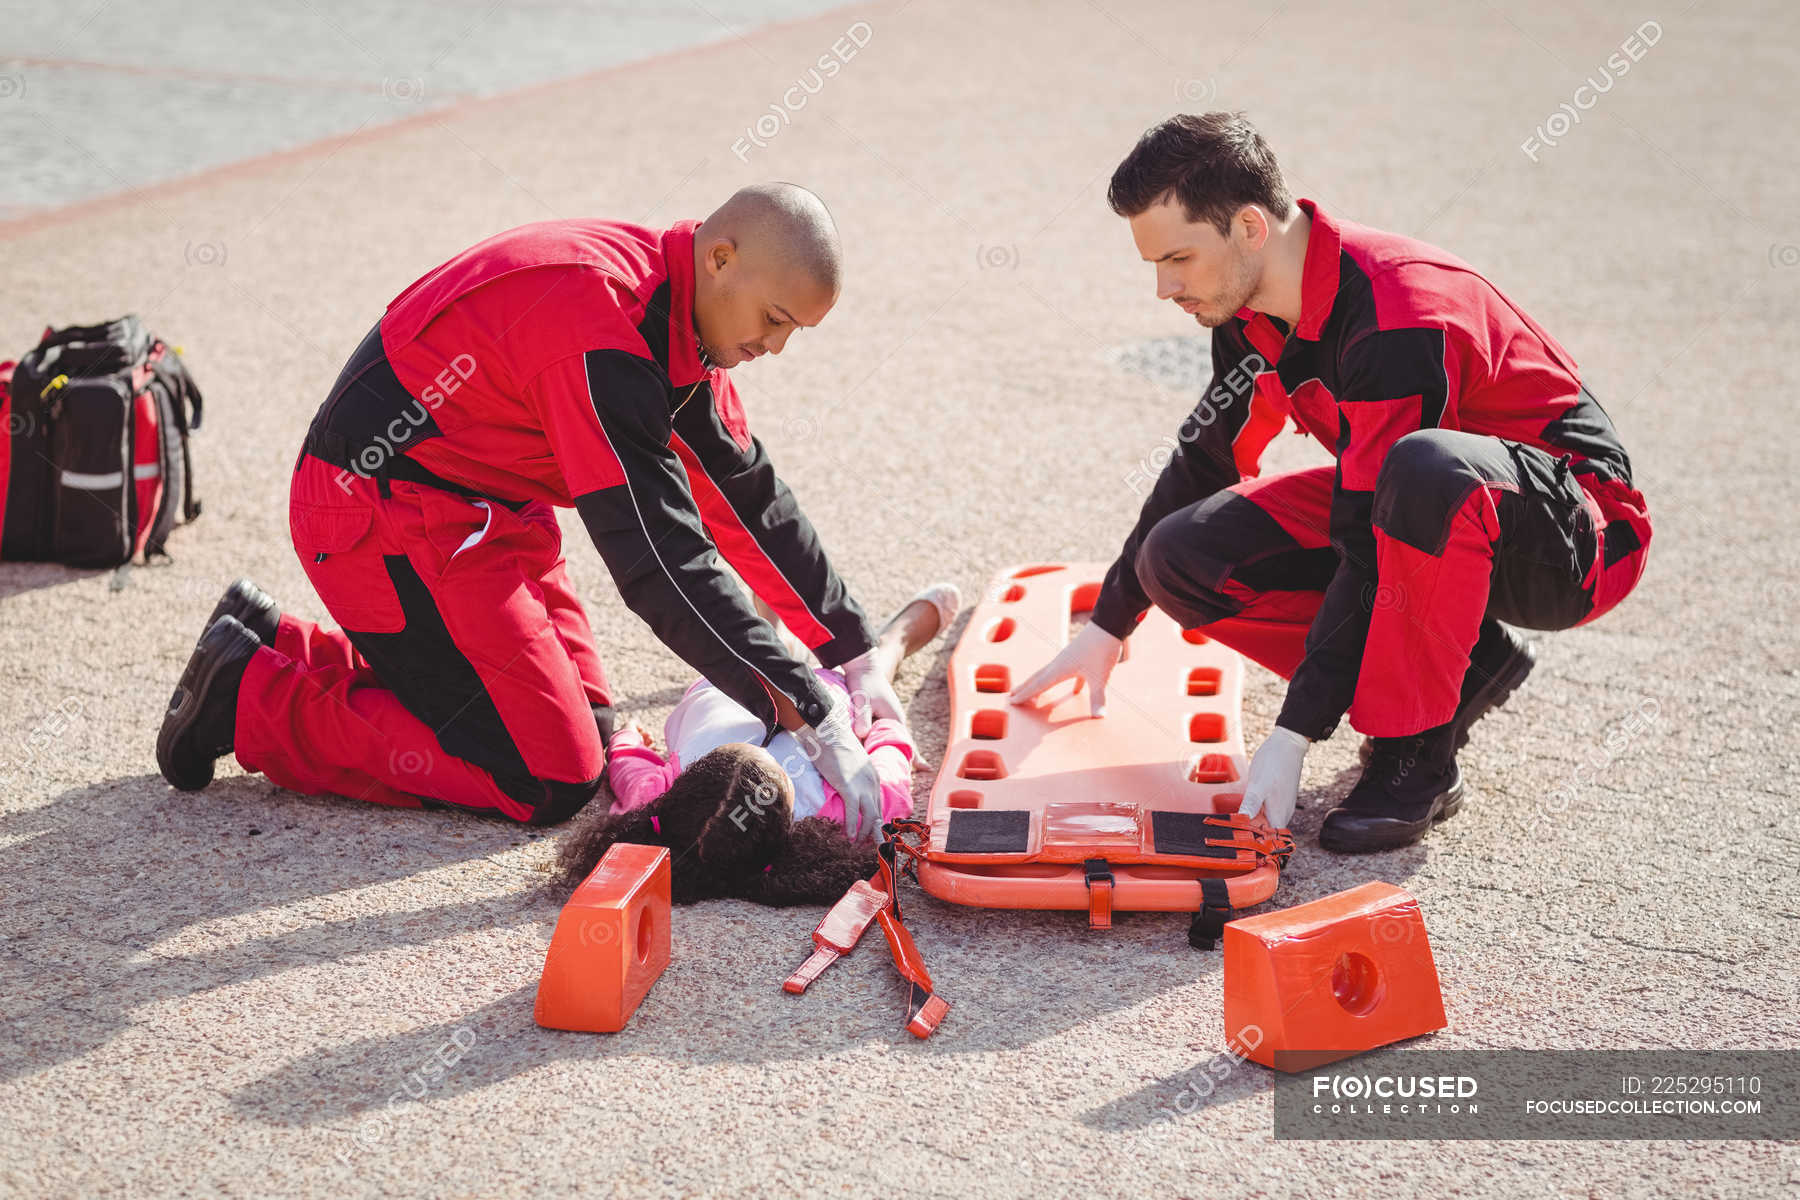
(611, 943)
(1318, 982)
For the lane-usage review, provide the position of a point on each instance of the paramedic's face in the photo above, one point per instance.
(1208, 275)
(749, 307)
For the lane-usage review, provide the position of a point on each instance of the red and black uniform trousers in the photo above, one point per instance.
(1468, 528)
(464, 670)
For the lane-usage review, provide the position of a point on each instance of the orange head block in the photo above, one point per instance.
(1321, 981)
(611, 943)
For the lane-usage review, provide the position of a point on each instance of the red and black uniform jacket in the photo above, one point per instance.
(559, 362)
(1394, 336)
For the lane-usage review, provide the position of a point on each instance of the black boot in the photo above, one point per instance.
(1498, 664)
(252, 606)
(1410, 784)
(201, 723)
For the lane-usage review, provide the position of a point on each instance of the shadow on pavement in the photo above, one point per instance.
(102, 874)
(16, 578)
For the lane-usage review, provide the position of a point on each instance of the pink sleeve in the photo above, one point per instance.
(890, 748)
(895, 771)
(636, 773)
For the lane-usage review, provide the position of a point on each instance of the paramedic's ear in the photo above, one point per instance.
(1253, 223)
(719, 255)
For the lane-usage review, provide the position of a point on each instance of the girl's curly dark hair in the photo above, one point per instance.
(728, 823)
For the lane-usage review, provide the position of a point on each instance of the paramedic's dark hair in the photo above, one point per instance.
(1214, 163)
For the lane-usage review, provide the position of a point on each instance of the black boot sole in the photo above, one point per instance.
(252, 606)
(1388, 833)
(225, 647)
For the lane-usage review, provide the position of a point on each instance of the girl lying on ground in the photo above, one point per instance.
(741, 821)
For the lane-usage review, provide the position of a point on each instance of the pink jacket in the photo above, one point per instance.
(639, 774)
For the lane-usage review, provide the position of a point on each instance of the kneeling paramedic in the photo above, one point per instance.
(574, 362)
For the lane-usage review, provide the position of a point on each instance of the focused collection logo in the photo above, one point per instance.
(1396, 1095)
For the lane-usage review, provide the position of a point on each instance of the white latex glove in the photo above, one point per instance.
(871, 695)
(1089, 658)
(833, 748)
(1273, 787)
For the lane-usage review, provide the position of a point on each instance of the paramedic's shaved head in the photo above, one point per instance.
(766, 262)
(784, 222)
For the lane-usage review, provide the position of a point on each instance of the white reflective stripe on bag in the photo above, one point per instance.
(92, 483)
(147, 471)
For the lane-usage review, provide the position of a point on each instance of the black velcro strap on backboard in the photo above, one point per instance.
(988, 831)
(1187, 832)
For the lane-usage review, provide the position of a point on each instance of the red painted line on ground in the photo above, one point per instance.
(191, 73)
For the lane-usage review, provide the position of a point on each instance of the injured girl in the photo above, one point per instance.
(745, 822)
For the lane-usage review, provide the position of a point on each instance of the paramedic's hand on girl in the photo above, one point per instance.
(1089, 658)
(1273, 787)
(871, 695)
(832, 747)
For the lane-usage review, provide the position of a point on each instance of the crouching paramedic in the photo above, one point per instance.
(1478, 484)
(577, 362)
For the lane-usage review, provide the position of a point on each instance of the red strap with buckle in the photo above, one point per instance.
(1100, 893)
(844, 924)
(839, 932)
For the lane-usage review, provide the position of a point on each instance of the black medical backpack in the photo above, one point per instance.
(94, 466)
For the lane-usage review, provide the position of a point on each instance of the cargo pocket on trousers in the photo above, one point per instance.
(1555, 528)
(1550, 546)
(346, 566)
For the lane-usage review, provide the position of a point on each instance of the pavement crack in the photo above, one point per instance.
(1750, 992)
(1655, 949)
